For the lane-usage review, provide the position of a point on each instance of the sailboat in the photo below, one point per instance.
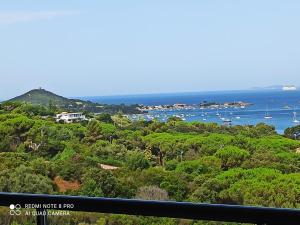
(202, 114)
(295, 117)
(218, 114)
(225, 119)
(267, 115)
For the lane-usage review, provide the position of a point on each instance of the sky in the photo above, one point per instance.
(94, 48)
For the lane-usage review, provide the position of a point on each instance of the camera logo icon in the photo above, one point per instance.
(15, 210)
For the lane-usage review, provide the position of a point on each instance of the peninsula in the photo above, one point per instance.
(46, 98)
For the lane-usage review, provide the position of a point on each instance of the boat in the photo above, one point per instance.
(238, 117)
(227, 122)
(295, 117)
(267, 115)
(202, 114)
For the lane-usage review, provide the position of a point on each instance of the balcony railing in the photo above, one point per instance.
(184, 210)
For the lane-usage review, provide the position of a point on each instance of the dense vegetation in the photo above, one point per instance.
(176, 160)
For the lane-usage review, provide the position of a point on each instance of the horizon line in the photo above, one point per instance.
(162, 93)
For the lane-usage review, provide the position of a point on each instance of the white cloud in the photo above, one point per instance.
(22, 17)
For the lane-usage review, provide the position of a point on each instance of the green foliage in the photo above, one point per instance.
(11, 160)
(73, 168)
(193, 166)
(232, 156)
(66, 154)
(104, 152)
(35, 110)
(24, 180)
(90, 188)
(292, 132)
(104, 117)
(262, 186)
(99, 182)
(42, 167)
(171, 164)
(42, 98)
(137, 160)
(93, 132)
(176, 184)
(111, 156)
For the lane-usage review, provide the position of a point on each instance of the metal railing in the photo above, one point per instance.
(184, 210)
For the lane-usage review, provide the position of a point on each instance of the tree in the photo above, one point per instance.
(193, 166)
(99, 181)
(93, 132)
(42, 167)
(176, 184)
(232, 156)
(137, 160)
(24, 180)
(105, 117)
(90, 188)
(292, 132)
(152, 193)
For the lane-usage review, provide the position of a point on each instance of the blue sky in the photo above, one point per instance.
(86, 47)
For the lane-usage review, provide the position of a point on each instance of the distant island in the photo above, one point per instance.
(277, 87)
(46, 98)
(289, 88)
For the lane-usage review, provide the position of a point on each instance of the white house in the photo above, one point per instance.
(70, 117)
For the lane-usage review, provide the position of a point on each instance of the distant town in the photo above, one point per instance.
(202, 105)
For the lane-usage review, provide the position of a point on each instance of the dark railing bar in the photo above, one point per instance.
(184, 210)
(41, 218)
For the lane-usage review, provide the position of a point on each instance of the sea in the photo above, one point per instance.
(282, 106)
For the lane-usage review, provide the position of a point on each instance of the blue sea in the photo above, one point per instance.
(280, 105)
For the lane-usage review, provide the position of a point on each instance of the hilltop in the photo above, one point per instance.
(43, 97)
(46, 98)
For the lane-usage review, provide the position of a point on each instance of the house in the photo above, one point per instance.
(70, 117)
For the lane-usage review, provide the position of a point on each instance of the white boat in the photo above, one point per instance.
(295, 117)
(227, 120)
(218, 114)
(238, 117)
(202, 114)
(267, 115)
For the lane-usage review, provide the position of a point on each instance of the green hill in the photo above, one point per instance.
(46, 98)
(42, 97)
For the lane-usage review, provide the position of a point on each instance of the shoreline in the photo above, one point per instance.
(202, 105)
